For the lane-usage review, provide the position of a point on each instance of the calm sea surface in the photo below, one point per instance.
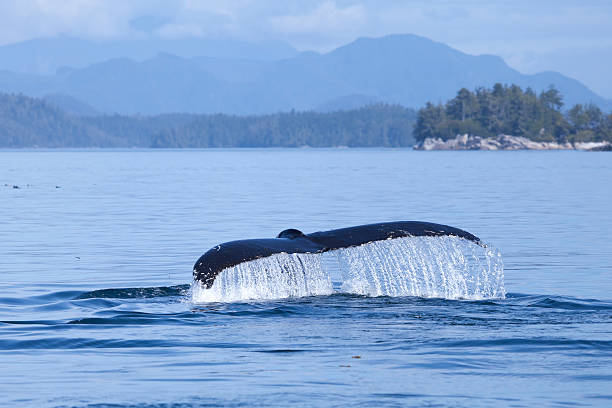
(97, 249)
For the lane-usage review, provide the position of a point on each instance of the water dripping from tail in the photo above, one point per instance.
(274, 277)
(442, 267)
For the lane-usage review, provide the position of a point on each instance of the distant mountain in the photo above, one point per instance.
(397, 69)
(47, 55)
(347, 102)
(413, 70)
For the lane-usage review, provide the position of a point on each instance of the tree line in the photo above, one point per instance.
(507, 109)
(33, 122)
(374, 125)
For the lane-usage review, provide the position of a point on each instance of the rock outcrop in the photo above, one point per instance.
(503, 142)
(604, 148)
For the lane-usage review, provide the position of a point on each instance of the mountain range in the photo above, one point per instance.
(197, 76)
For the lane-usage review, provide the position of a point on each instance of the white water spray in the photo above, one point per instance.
(444, 267)
(273, 277)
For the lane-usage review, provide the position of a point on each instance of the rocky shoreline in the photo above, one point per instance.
(505, 142)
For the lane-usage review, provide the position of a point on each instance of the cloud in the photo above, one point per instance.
(27, 19)
(202, 19)
(325, 18)
(322, 27)
(148, 24)
(474, 25)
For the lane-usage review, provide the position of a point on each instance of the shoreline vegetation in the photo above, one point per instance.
(501, 118)
(508, 118)
(27, 122)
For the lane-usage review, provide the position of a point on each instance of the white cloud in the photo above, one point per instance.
(322, 27)
(203, 19)
(325, 18)
(28, 19)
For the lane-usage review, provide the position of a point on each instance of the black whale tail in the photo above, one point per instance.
(293, 241)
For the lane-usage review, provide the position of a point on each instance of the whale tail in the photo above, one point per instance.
(293, 241)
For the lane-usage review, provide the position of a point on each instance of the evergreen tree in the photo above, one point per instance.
(510, 110)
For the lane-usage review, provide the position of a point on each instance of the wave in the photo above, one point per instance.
(132, 293)
(517, 310)
(440, 267)
(111, 293)
(534, 342)
(558, 302)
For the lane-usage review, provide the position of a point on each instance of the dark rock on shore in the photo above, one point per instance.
(604, 148)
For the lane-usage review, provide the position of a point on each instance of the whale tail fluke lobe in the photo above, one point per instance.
(293, 241)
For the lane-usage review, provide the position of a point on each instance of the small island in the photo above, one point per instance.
(508, 118)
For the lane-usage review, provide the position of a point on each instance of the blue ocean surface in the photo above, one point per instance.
(97, 308)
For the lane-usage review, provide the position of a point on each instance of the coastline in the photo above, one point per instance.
(505, 142)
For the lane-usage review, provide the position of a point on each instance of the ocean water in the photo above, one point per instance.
(97, 307)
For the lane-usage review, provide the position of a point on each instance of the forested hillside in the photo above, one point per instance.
(375, 125)
(510, 110)
(138, 131)
(31, 122)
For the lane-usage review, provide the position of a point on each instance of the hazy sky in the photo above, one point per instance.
(573, 36)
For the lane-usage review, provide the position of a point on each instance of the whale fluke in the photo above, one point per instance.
(293, 241)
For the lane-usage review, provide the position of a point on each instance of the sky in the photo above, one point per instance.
(573, 37)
